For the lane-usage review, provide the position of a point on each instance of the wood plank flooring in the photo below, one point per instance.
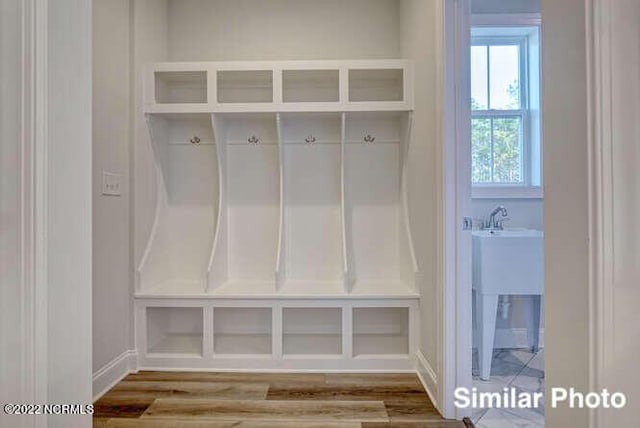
(261, 400)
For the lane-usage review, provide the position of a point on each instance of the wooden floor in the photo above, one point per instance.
(261, 400)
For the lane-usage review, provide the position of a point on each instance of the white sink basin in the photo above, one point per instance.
(505, 262)
(508, 261)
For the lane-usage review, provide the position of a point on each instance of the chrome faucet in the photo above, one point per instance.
(497, 224)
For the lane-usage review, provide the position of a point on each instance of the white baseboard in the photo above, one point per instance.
(428, 378)
(512, 338)
(113, 372)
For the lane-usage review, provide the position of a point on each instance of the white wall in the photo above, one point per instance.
(505, 6)
(202, 30)
(150, 43)
(419, 42)
(112, 334)
(69, 208)
(566, 203)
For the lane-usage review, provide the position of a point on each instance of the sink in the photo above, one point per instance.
(508, 261)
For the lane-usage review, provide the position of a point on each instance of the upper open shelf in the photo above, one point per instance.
(244, 86)
(180, 87)
(367, 85)
(278, 86)
(299, 86)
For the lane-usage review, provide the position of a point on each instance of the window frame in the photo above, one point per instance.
(522, 112)
(525, 188)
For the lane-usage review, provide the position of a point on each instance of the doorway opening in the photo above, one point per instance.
(494, 168)
(507, 208)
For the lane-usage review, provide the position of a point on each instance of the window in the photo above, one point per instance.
(505, 110)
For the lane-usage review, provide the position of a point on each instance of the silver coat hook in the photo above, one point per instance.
(253, 140)
(310, 139)
(195, 140)
(369, 139)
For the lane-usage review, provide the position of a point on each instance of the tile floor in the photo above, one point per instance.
(517, 368)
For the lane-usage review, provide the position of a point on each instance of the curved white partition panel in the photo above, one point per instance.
(346, 254)
(176, 255)
(281, 272)
(409, 270)
(154, 265)
(217, 268)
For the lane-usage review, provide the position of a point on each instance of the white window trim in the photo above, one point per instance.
(506, 191)
(513, 191)
(522, 112)
(506, 20)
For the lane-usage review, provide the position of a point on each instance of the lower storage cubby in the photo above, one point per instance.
(380, 331)
(276, 334)
(311, 331)
(175, 331)
(242, 331)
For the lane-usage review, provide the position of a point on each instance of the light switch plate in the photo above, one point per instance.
(111, 184)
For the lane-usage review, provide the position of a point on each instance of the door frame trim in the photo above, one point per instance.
(600, 91)
(34, 205)
(455, 334)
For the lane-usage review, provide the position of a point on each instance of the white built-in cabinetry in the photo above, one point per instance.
(281, 237)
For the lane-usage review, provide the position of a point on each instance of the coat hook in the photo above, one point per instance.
(195, 140)
(369, 139)
(253, 140)
(310, 139)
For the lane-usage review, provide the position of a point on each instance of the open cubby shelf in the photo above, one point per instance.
(310, 86)
(278, 86)
(380, 331)
(174, 331)
(311, 331)
(181, 87)
(214, 332)
(367, 85)
(242, 331)
(244, 86)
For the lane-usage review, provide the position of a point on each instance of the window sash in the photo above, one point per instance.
(523, 76)
(522, 112)
(525, 149)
